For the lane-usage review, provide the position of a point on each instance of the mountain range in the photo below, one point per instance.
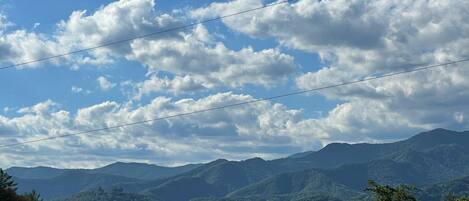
(436, 162)
(55, 183)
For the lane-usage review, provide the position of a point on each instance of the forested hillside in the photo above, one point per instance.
(433, 162)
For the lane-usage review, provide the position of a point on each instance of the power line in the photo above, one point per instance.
(106, 44)
(415, 69)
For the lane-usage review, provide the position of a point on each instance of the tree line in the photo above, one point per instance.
(400, 193)
(379, 192)
(8, 190)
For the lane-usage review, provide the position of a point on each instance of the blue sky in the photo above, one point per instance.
(289, 47)
(55, 82)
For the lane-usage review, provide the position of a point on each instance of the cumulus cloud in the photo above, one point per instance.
(262, 129)
(214, 64)
(357, 39)
(104, 84)
(40, 108)
(116, 21)
(193, 53)
(413, 36)
(22, 46)
(175, 85)
(360, 36)
(354, 39)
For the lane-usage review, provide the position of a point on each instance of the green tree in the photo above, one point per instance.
(451, 197)
(389, 193)
(6, 182)
(33, 196)
(8, 190)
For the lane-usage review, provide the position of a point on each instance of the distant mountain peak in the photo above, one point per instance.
(218, 161)
(438, 137)
(119, 163)
(255, 159)
(441, 129)
(336, 147)
(437, 131)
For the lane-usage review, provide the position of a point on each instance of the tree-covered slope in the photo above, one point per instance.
(306, 182)
(54, 183)
(336, 154)
(35, 172)
(131, 170)
(101, 195)
(69, 183)
(213, 179)
(142, 171)
(337, 171)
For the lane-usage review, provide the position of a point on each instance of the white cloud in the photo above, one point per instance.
(175, 85)
(3, 23)
(36, 25)
(356, 39)
(40, 108)
(412, 36)
(261, 129)
(115, 21)
(20, 46)
(214, 64)
(187, 53)
(76, 89)
(79, 90)
(104, 84)
(308, 24)
(6, 109)
(353, 39)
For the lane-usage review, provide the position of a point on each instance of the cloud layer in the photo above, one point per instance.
(192, 54)
(354, 39)
(263, 129)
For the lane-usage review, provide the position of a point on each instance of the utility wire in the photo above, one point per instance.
(106, 44)
(414, 69)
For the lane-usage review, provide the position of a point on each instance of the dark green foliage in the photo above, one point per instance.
(298, 197)
(429, 157)
(116, 194)
(212, 179)
(451, 197)
(8, 190)
(9, 195)
(388, 193)
(6, 181)
(449, 190)
(33, 196)
(184, 189)
(296, 185)
(68, 183)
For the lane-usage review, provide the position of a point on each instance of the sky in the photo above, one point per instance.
(293, 46)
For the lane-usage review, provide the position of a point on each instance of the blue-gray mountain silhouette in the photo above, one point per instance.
(339, 171)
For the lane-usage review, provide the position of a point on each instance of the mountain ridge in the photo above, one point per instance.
(425, 159)
(146, 171)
